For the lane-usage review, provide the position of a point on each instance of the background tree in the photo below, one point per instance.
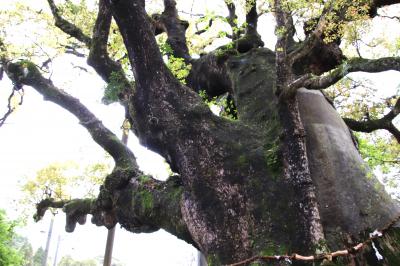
(9, 255)
(38, 257)
(24, 247)
(278, 173)
(61, 182)
(69, 261)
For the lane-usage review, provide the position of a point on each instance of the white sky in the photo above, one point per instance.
(40, 133)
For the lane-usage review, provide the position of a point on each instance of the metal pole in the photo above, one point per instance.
(46, 252)
(201, 260)
(58, 245)
(111, 232)
(109, 247)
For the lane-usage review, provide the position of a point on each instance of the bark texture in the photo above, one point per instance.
(284, 177)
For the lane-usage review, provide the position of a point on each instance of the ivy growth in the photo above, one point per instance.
(177, 65)
(114, 87)
(179, 68)
(223, 105)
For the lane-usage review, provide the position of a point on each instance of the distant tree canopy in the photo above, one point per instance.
(69, 261)
(24, 248)
(9, 254)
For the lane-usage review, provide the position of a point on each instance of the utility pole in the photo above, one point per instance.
(58, 246)
(111, 232)
(46, 252)
(201, 260)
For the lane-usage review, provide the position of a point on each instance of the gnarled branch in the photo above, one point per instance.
(175, 29)
(26, 73)
(76, 210)
(332, 15)
(10, 108)
(99, 58)
(251, 18)
(144, 205)
(138, 202)
(383, 123)
(351, 65)
(232, 19)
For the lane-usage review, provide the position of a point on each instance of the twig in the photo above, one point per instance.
(10, 108)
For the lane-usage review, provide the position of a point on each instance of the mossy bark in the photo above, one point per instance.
(238, 199)
(234, 195)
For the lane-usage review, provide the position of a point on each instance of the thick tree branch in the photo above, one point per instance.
(283, 71)
(251, 18)
(232, 19)
(351, 65)
(143, 206)
(175, 29)
(246, 33)
(334, 15)
(162, 108)
(26, 73)
(147, 205)
(67, 26)
(139, 39)
(152, 205)
(380, 3)
(383, 123)
(75, 210)
(99, 58)
(312, 39)
(209, 73)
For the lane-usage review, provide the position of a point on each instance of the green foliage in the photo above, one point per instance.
(165, 48)
(179, 68)
(38, 257)
(80, 13)
(271, 152)
(50, 181)
(114, 87)
(224, 105)
(63, 181)
(14, 20)
(9, 256)
(117, 50)
(356, 99)
(147, 200)
(382, 154)
(24, 248)
(280, 31)
(177, 65)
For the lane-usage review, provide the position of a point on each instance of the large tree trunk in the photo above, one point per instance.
(284, 177)
(259, 185)
(237, 201)
(350, 199)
